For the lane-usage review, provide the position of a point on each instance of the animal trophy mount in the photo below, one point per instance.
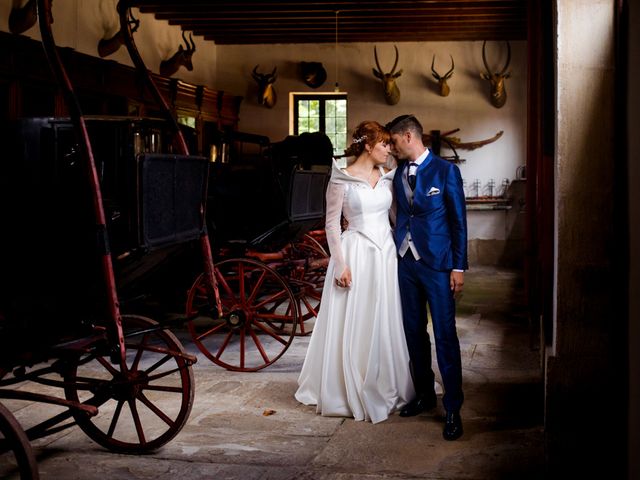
(435, 139)
(391, 91)
(182, 58)
(23, 18)
(496, 80)
(107, 46)
(266, 91)
(313, 74)
(442, 79)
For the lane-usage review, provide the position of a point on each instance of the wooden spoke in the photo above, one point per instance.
(257, 303)
(156, 356)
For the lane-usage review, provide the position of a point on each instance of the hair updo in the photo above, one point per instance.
(367, 133)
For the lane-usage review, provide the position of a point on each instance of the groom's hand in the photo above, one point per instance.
(456, 282)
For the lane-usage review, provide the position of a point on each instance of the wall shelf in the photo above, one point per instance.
(488, 203)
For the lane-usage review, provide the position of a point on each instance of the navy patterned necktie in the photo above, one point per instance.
(411, 177)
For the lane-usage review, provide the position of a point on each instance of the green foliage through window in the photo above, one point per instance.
(186, 120)
(323, 113)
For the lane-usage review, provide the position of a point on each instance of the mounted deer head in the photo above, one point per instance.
(107, 46)
(498, 90)
(442, 79)
(266, 91)
(391, 91)
(182, 58)
(23, 18)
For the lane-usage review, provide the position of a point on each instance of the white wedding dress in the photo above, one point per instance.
(357, 363)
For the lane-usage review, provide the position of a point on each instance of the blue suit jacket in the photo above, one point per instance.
(437, 217)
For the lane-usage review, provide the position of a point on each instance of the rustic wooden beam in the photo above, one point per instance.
(270, 21)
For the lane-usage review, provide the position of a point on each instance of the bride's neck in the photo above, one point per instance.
(364, 163)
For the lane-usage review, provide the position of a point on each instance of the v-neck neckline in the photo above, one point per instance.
(372, 187)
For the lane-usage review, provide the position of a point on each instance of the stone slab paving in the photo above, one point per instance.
(228, 436)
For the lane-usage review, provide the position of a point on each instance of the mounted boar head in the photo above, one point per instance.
(391, 91)
(313, 74)
(182, 58)
(498, 90)
(442, 79)
(266, 91)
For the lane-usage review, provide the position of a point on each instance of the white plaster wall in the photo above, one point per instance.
(585, 80)
(80, 24)
(489, 224)
(467, 107)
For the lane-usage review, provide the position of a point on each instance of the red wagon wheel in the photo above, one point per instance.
(309, 279)
(15, 450)
(259, 315)
(143, 406)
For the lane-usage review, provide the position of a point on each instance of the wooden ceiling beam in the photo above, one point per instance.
(368, 14)
(314, 21)
(351, 20)
(194, 5)
(491, 35)
(383, 39)
(390, 23)
(313, 29)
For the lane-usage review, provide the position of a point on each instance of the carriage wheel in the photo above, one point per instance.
(310, 280)
(259, 315)
(15, 449)
(142, 406)
(317, 238)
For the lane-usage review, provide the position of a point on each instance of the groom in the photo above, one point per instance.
(431, 237)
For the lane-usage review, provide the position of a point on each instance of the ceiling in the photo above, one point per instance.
(228, 22)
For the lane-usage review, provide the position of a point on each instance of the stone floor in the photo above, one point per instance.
(227, 435)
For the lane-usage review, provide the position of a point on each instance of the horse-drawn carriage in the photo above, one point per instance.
(92, 208)
(126, 381)
(68, 218)
(270, 269)
(55, 317)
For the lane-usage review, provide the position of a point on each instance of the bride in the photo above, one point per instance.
(357, 363)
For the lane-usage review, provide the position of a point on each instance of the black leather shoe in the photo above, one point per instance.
(418, 405)
(452, 426)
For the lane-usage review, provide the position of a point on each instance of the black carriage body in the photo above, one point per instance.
(51, 251)
(265, 195)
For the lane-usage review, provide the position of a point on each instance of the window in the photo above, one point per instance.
(322, 113)
(187, 120)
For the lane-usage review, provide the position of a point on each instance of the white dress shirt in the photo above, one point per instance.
(407, 243)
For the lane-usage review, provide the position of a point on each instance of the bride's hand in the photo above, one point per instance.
(344, 280)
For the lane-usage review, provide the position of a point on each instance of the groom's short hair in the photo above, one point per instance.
(403, 123)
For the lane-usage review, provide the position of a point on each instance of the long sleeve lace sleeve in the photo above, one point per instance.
(335, 195)
(393, 210)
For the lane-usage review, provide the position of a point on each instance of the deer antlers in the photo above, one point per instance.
(496, 80)
(391, 91)
(181, 58)
(442, 79)
(107, 46)
(23, 18)
(266, 91)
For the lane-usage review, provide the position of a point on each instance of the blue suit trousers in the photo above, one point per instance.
(420, 286)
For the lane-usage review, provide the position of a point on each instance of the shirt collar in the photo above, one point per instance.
(418, 161)
(422, 157)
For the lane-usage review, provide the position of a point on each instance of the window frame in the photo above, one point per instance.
(322, 98)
